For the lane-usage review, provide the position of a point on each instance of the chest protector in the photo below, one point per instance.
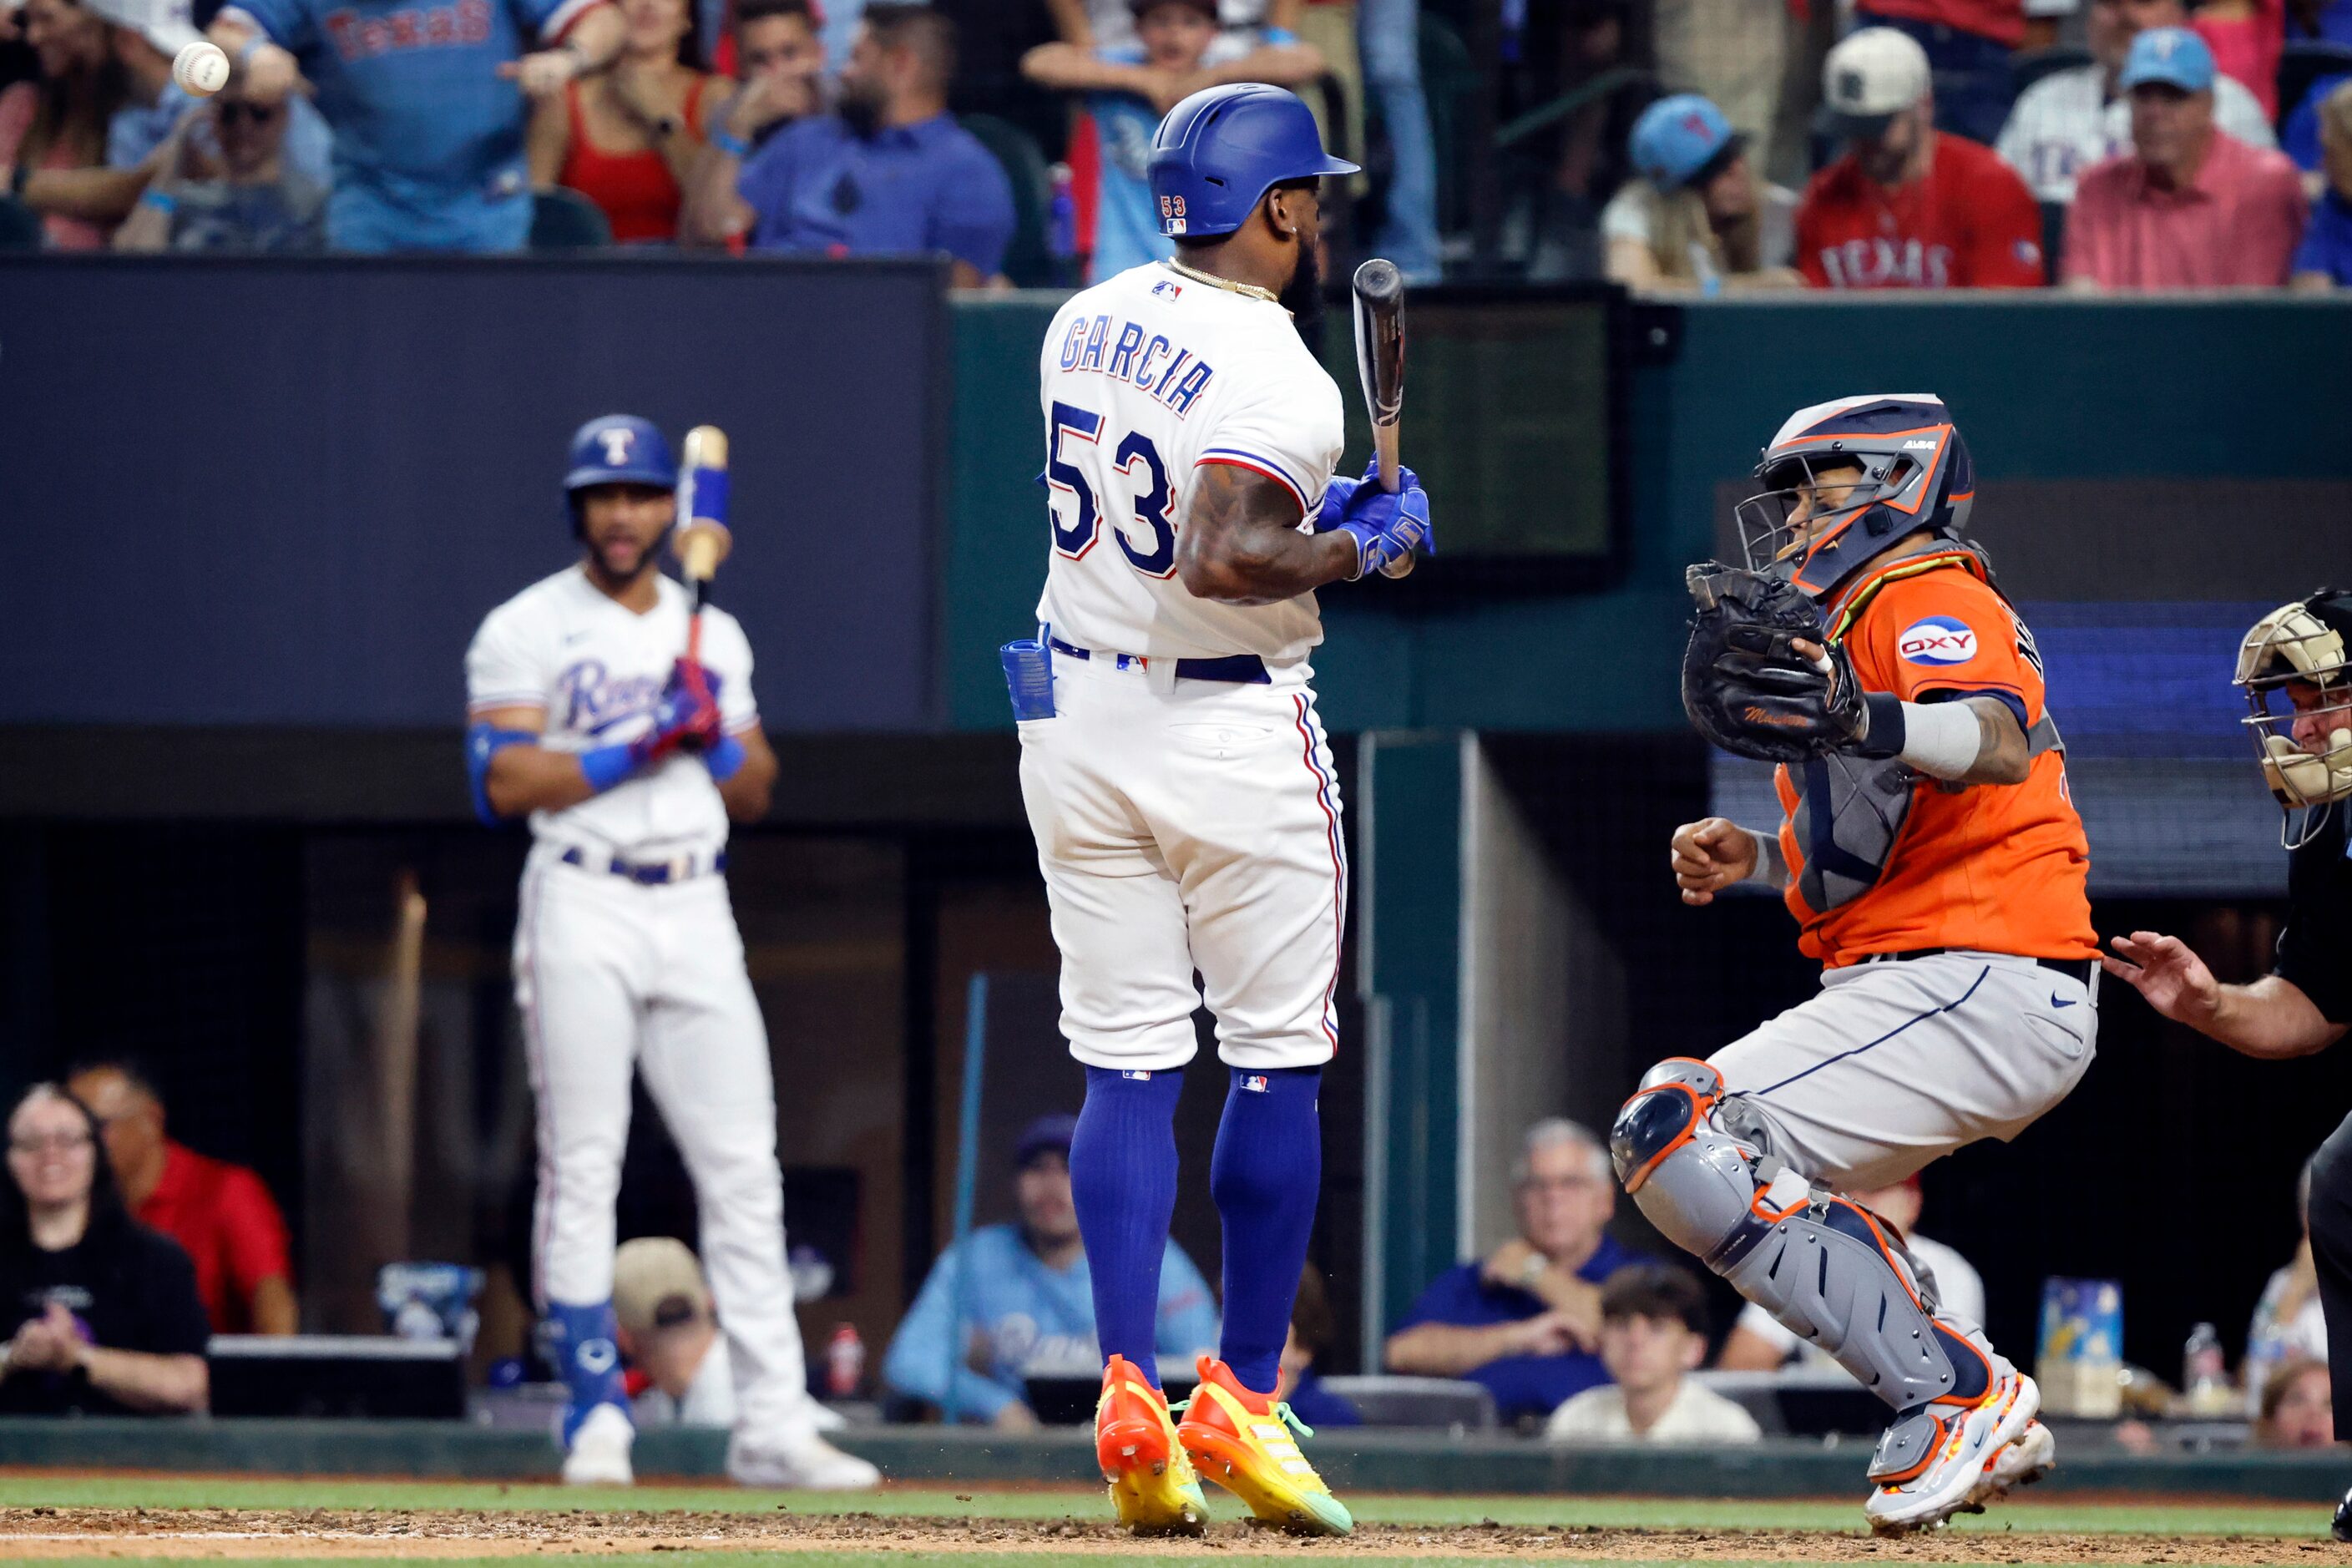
(1850, 811)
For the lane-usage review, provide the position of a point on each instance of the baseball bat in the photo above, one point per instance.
(1379, 366)
(703, 540)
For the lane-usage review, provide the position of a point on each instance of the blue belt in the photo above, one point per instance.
(1245, 668)
(684, 868)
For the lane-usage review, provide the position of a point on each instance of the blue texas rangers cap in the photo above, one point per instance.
(1047, 1135)
(2174, 56)
(1676, 138)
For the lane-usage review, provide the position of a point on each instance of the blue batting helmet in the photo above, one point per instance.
(620, 449)
(1225, 147)
(1915, 477)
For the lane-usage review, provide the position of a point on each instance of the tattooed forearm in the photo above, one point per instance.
(1240, 542)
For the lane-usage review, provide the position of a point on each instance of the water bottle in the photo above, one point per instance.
(844, 1361)
(2204, 1378)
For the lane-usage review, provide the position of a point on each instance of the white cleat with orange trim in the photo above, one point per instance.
(1938, 1460)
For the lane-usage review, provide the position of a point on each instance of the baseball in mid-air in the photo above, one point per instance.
(200, 68)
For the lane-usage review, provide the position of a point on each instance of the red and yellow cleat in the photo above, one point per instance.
(1151, 1482)
(1243, 1442)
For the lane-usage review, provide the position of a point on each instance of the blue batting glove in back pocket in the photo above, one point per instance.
(1029, 676)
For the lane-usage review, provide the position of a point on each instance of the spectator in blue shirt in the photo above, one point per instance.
(889, 173)
(1011, 1296)
(1525, 1319)
(2324, 258)
(424, 105)
(1179, 52)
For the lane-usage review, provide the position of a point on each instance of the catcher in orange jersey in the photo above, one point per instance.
(1933, 862)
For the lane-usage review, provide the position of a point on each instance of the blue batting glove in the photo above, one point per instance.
(1343, 499)
(1389, 528)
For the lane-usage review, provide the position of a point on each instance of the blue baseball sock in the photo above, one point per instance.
(1265, 1177)
(580, 1342)
(1123, 1179)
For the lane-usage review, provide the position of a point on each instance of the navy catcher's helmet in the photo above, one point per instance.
(1225, 147)
(1915, 474)
(620, 449)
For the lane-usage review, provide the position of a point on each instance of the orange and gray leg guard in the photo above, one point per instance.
(1698, 1162)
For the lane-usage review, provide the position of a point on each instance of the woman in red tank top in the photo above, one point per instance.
(624, 138)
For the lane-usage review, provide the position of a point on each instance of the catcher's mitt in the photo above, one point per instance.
(1746, 689)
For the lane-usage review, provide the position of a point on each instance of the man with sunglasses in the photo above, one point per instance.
(2293, 668)
(1935, 864)
(254, 199)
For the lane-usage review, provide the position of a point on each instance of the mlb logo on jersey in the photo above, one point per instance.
(1167, 288)
(1939, 640)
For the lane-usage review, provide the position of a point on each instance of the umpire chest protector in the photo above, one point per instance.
(1846, 813)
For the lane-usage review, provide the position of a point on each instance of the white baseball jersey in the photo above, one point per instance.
(2065, 122)
(596, 669)
(618, 979)
(1146, 376)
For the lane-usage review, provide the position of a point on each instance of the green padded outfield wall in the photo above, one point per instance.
(2064, 402)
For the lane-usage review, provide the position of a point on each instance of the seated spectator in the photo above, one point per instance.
(2288, 1324)
(1526, 1320)
(1909, 207)
(2324, 260)
(53, 132)
(1128, 89)
(1652, 1337)
(1967, 43)
(1295, 1380)
(221, 1214)
(1697, 216)
(2296, 1411)
(1760, 1342)
(889, 173)
(427, 106)
(2247, 38)
(626, 138)
(103, 1312)
(1013, 1295)
(2189, 207)
(1110, 24)
(667, 1331)
(246, 197)
(2072, 119)
(783, 64)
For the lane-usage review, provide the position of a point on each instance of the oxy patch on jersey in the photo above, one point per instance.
(1936, 640)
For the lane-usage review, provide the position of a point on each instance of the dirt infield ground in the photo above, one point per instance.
(277, 1534)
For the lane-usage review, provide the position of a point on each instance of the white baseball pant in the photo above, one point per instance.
(613, 976)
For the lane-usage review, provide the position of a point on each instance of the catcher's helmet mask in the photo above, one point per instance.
(1915, 476)
(2305, 643)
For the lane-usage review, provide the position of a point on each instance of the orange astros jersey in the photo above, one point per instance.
(1992, 868)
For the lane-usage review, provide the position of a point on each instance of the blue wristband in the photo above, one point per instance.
(724, 760)
(1280, 37)
(606, 766)
(734, 146)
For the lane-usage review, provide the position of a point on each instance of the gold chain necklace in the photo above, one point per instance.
(1214, 281)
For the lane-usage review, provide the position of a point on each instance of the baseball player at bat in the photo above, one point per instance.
(1935, 864)
(1177, 777)
(630, 760)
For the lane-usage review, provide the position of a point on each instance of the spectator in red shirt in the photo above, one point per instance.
(220, 1213)
(2189, 207)
(1909, 207)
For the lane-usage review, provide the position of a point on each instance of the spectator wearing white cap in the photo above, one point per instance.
(1907, 205)
(1968, 44)
(668, 1330)
(1696, 216)
(2189, 206)
(2072, 119)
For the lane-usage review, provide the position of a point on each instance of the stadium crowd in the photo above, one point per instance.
(1684, 145)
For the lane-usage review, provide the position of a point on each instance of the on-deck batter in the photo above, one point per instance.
(1181, 791)
(1935, 864)
(630, 762)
